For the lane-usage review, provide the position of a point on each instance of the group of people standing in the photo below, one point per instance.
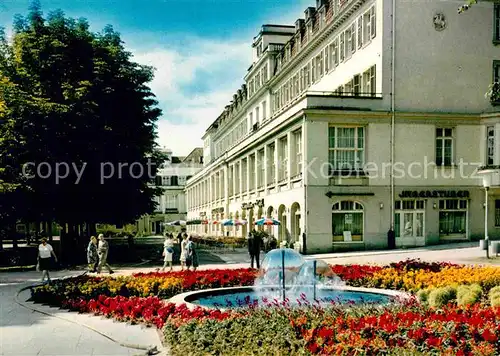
(97, 254)
(186, 250)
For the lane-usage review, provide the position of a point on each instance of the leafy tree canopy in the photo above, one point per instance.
(73, 100)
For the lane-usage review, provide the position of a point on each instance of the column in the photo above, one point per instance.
(255, 169)
(266, 165)
(276, 160)
(233, 178)
(248, 174)
(240, 170)
(290, 153)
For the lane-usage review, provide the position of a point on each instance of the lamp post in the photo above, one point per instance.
(486, 185)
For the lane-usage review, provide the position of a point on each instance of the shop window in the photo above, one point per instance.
(347, 221)
(409, 218)
(452, 218)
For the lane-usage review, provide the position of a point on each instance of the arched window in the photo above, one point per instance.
(347, 221)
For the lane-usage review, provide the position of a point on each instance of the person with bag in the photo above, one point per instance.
(102, 251)
(192, 256)
(45, 254)
(168, 252)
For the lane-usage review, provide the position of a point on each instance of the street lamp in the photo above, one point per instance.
(486, 185)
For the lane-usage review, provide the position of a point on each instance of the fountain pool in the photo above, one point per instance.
(286, 278)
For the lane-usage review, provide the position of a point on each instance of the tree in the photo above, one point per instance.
(88, 111)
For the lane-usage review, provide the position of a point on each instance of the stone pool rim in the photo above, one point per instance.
(187, 297)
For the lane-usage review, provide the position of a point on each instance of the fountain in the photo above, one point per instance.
(286, 278)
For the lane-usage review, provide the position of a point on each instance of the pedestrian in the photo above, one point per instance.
(183, 257)
(92, 255)
(192, 255)
(168, 252)
(102, 251)
(254, 247)
(45, 254)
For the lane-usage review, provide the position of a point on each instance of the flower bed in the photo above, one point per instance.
(458, 312)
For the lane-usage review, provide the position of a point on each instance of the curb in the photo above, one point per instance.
(150, 350)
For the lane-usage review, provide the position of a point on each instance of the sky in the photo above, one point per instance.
(201, 50)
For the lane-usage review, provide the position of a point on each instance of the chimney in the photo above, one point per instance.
(310, 12)
(299, 25)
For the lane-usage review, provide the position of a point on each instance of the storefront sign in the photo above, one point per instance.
(348, 219)
(258, 202)
(217, 210)
(434, 194)
(347, 236)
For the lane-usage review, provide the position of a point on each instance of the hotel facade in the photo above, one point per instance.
(364, 115)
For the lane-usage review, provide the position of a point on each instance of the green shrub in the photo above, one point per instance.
(440, 297)
(255, 334)
(495, 296)
(468, 294)
(423, 295)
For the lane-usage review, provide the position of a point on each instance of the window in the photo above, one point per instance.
(496, 71)
(373, 26)
(244, 175)
(342, 47)
(360, 31)
(260, 169)
(327, 59)
(237, 179)
(444, 146)
(357, 85)
(452, 218)
(182, 180)
(283, 159)
(230, 180)
(257, 114)
(313, 72)
(320, 65)
(347, 221)
(348, 43)
(348, 88)
(298, 152)
(490, 145)
(369, 25)
(336, 52)
(496, 23)
(250, 120)
(271, 165)
(264, 111)
(369, 82)
(353, 37)
(166, 180)
(308, 78)
(409, 218)
(346, 148)
(497, 213)
(251, 183)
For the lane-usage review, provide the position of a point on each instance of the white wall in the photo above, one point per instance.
(447, 71)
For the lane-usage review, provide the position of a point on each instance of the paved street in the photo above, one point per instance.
(23, 332)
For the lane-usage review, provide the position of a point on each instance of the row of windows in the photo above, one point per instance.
(267, 158)
(171, 180)
(360, 84)
(358, 34)
(258, 80)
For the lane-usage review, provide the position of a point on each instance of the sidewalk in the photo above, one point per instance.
(23, 332)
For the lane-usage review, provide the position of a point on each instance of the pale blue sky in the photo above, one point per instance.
(201, 49)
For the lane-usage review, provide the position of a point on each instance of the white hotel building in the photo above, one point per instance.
(366, 114)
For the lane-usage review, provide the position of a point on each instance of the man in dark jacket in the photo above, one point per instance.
(254, 247)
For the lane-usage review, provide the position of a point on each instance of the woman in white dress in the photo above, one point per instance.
(184, 251)
(168, 252)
